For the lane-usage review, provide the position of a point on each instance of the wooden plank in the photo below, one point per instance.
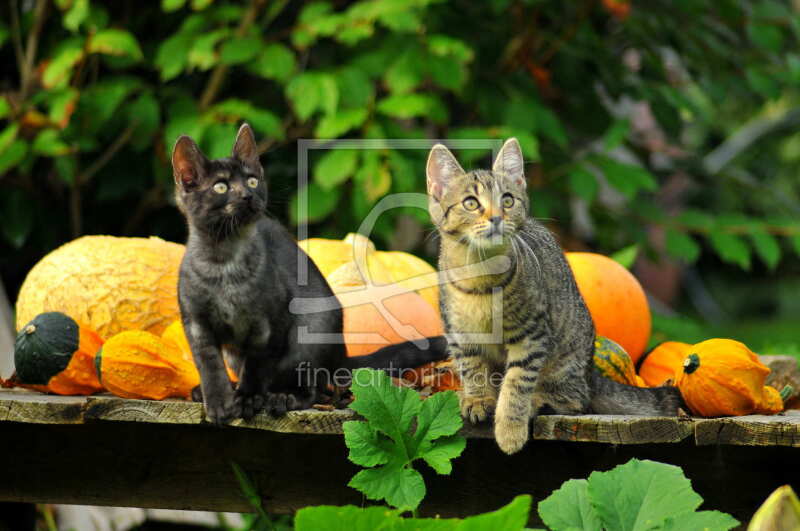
(750, 430)
(615, 429)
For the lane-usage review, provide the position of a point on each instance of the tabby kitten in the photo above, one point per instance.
(539, 357)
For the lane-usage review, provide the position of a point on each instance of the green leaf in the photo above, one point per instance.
(766, 36)
(62, 104)
(627, 256)
(49, 143)
(616, 134)
(731, 249)
(275, 61)
(346, 518)
(626, 178)
(13, 155)
(367, 447)
(147, 114)
(304, 93)
(696, 219)
(173, 54)
(767, 247)
(76, 15)
(8, 135)
(569, 507)
(218, 140)
(705, 520)
(263, 121)
(407, 71)
(335, 125)
(387, 408)
(184, 119)
(446, 46)
(512, 517)
(17, 217)
(438, 417)
(313, 203)
(641, 495)
(239, 50)
(199, 5)
(405, 106)
(681, 245)
(440, 453)
(100, 101)
(4, 107)
(115, 42)
(59, 70)
(203, 52)
(401, 487)
(583, 183)
(355, 88)
(335, 167)
(172, 5)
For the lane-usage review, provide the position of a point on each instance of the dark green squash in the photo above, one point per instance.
(52, 353)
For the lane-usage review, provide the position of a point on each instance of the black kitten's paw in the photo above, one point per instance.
(250, 405)
(278, 404)
(222, 412)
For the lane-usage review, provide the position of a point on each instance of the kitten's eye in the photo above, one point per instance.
(508, 201)
(252, 182)
(220, 188)
(470, 203)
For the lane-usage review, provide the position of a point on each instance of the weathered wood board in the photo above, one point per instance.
(103, 450)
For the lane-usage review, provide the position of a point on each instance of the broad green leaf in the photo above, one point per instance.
(405, 21)
(304, 94)
(62, 105)
(583, 183)
(407, 71)
(512, 517)
(447, 73)
(173, 54)
(100, 101)
(730, 248)
(49, 143)
(438, 417)
(569, 507)
(239, 50)
(76, 15)
(447, 46)
(172, 5)
(387, 408)
(626, 178)
(346, 518)
(696, 219)
(378, 183)
(275, 61)
(355, 88)
(203, 52)
(328, 93)
(335, 167)
(218, 140)
(766, 36)
(616, 134)
(8, 135)
(4, 107)
(308, 23)
(705, 520)
(16, 216)
(627, 256)
(681, 245)
(406, 106)
(147, 114)
(115, 42)
(439, 454)
(641, 495)
(183, 118)
(335, 125)
(400, 487)
(13, 155)
(313, 203)
(58, 71)
(366, 445)
(767, 247)
(263, 121)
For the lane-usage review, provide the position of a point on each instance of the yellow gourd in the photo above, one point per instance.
(664, 362)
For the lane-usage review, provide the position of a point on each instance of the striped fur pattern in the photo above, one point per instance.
(520, 335)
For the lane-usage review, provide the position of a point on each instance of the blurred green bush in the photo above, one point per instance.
(669, 124)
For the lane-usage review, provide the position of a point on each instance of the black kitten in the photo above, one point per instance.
(236, 281)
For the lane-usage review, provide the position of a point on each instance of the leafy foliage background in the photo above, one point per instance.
(667, 124)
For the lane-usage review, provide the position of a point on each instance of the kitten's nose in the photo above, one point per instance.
(496, 220)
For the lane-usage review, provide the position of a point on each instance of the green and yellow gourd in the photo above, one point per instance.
(54, 354)
(611, 361)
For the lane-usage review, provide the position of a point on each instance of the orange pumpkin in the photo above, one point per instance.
(174, 333)
(138, 364)
(663, 362)
(722, 377)
(773, 401)
(373, 320)
(615, 300)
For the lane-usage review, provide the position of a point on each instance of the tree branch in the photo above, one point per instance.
(39, 16)
(221, 70)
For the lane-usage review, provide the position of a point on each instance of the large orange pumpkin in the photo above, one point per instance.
(106, 283)
(615, 299)
(384, 267)
(372, 321)
(664, 362)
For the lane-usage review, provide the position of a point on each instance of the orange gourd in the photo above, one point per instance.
(174, 333)
(722, 377)
(615, 300)
(374, 318)
(773, 401)
(663, 362)
(611, 360)
(138, 364)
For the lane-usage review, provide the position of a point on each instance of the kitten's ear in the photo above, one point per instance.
(188, 162)
(245, 148)
(510, 162)
(442, 167)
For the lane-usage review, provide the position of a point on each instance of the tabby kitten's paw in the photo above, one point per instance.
(477, 408)
(511, 436)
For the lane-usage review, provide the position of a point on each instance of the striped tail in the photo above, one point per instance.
(610, 397)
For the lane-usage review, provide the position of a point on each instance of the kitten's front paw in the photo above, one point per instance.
(250, 405)
(278, 404)
(511, 436)
(223, 411)
(477, 408)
